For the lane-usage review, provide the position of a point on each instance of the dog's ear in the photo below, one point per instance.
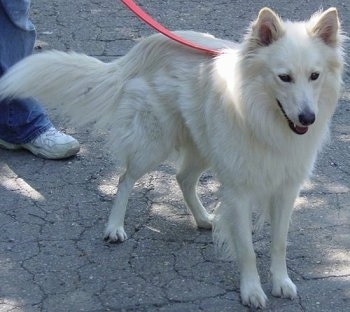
(326, 26)
(267, 28)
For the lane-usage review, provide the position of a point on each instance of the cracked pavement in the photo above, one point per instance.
(52, 213)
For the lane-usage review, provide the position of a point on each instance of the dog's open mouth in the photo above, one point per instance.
(295, 128)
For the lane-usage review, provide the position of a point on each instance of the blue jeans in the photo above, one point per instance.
(20, 120)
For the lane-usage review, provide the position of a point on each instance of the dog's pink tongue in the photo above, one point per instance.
(300, 130)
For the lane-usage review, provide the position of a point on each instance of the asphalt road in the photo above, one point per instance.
(52, 213)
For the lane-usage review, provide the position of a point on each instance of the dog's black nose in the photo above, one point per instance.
(307, 118)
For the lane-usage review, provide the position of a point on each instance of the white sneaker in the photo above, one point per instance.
(51, 144)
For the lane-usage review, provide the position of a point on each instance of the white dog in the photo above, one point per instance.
(257, 113)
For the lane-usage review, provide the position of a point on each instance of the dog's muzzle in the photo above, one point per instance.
(306, 119)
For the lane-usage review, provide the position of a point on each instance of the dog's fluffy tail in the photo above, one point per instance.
(85, 88)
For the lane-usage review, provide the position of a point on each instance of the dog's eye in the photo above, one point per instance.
(314, 76)
(285, 78)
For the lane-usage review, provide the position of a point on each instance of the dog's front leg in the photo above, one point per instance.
(251, 291)
(281, 210)
(233, 227)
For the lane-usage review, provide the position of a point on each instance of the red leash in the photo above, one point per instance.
(150, 21)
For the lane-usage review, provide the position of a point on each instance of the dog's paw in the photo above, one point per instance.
(205, 223)
(115, 234)
(253, 296)
(284, 288)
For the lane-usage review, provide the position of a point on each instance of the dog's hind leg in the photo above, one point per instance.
(190, 167)
(144, 148)
(115, 227)
(144, 159)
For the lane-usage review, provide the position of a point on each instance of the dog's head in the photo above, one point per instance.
(297, 63)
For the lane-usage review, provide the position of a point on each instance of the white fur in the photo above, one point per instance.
(216, 112)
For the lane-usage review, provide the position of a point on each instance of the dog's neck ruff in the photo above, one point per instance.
(151, 22)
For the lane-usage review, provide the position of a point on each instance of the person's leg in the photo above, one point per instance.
(20, 120)
(23, 122)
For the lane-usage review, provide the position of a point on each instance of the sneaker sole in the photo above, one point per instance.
(73, 150)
